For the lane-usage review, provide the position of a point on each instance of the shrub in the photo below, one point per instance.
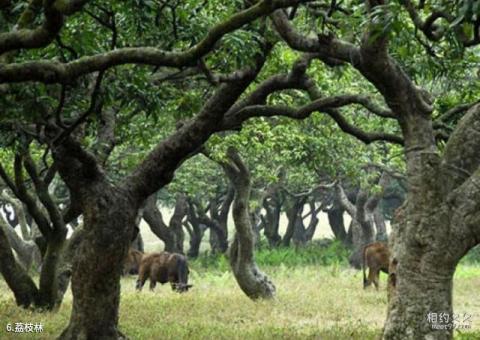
(320, 252)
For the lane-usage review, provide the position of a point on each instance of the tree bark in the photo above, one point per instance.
(154, 219)
(271, 222)
(109, 219)
(420, 283)
(27, 252)
(380, 225)
(293, 215)
(219, 217)
(176, 222)
(197, 231)
(49, 287)
(22, 286)
(251, 280)
(335, 219)
(302, 234)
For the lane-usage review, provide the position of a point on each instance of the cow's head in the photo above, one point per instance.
(182, 287)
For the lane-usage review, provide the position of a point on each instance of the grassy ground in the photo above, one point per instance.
(313, 302)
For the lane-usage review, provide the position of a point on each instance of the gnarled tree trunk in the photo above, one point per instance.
(196, 230)
(109, 217)
(251, 280)
(154, 219)
(219, 222)
(337, 224)
(294, 216)
(22, 286)
(271, 222)
(380, 225)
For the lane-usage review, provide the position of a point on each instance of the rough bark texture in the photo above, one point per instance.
(108, 226)
(176, 221)
(154, 219)
(380, 225)
(17, 279)
(361, 227)
(219, 226)
(271, 221)
(196, 230)
(294, 216)
(27, 252)
(335, 219)
(251, 280)
(302, 235)
(49, 287)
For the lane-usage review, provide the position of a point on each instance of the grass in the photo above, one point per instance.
(313, 302)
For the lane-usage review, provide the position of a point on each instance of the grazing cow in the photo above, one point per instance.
(132, 262)
(164, 267)
(376, 257)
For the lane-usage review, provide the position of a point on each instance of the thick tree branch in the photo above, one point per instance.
(461, 157)
(311, 191)
(158, 168)
(54, 11)
(233, 120)
(32, 207)
(54, 72)
(345, 202)
(327, 47)
(41, 187)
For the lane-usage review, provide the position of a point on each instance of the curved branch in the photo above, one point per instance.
(39, 37)
(326, 47)
(327, 105)
(345, 202)
(461, 158)
(55, 72)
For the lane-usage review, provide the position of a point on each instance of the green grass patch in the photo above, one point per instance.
(313, 302)
(319, 252)
(318, 297)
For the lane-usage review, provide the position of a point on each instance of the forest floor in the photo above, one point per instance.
(313, 302)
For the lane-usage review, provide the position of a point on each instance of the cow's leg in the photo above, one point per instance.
(376, 276)
(153, 283)
(173, 281)
(141, 280)
(371, 277)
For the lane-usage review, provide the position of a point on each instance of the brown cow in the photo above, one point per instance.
(376, 257)
(132, 262)
(164, 267)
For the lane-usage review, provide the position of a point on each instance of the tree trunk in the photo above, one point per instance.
(219, 223)
(109, 219)
(380, 225)
(299, 233)
(362, 234)
(48, 287)
(218, 237)
(154, 219)
(65, 266)
(335, 219)
(176, 222)
(27, 251)
(138, 243)
(196, 239)
(420, 285)
(293, 214)
(312, 226)
(197, 231)
(251, 280)
(361, 227)
(271, 222)
(17, 279)
(256, 223)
